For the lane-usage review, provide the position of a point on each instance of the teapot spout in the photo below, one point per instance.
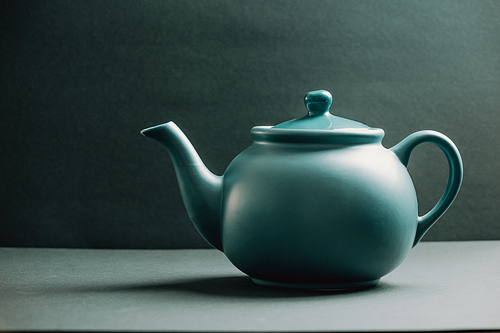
(200, 189)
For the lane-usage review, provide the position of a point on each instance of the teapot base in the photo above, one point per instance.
(317, 286)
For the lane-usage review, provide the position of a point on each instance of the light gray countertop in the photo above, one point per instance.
(440, 286)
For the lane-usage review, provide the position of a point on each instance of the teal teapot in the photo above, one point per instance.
(313, 203)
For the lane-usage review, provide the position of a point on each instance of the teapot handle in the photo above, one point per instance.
(403, 151)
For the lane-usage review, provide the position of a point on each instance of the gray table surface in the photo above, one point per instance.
(440, 286)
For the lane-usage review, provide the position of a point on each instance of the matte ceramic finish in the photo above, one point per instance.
(314, 203)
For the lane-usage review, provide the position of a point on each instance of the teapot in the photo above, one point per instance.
(314, 203)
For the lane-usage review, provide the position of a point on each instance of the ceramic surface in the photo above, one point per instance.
(314, 203)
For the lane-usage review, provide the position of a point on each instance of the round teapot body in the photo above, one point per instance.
(329, 214)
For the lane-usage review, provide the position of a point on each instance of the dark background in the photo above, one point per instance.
(80, 79)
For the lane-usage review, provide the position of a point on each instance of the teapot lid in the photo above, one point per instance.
(318, 115)
(318, 126)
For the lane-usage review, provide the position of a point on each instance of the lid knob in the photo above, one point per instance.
(318, 102)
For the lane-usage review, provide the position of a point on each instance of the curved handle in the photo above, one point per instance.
(403, 151)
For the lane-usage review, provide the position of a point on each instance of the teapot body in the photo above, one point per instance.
(331, 214)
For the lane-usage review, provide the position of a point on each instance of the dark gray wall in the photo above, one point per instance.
(79, 79)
